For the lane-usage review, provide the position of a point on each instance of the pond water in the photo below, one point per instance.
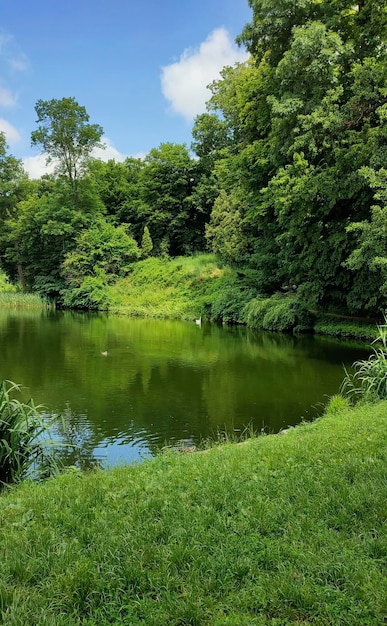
(163, 382)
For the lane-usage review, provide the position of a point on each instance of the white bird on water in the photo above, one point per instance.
(104, 353)
(199, 321)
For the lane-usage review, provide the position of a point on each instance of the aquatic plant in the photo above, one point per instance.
(369, 380)
(26, 448)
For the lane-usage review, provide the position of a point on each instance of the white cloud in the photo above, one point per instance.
(7, 98)
(108, 152)
(185, 82)
(36, 166)
(12, 135)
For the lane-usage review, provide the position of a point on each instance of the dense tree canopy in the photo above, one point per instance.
(288, 183)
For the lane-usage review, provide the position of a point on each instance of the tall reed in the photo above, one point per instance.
(369, 381)
(26, 449)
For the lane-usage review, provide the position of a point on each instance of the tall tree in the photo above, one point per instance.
(65, 134)
(14, 186)
(306, 116)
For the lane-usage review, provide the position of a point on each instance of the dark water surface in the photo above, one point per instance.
(164, 381)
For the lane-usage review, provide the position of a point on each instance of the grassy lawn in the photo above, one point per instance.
(282, 529)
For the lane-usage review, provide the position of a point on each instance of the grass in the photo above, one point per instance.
(369, 379)
(282, 529)
(18, 299)
(25, 448)
(345, 327)
(167, 288)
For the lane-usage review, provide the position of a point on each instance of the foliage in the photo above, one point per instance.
(306, 119)
(66, 135)
(25, 447)
(102, 254)
(170, 288)
(146, 243)
(5, 285)
(369, 259)
(19, 299)
(43, 230)
(224, 232)
(340, 326)
(278, 313)
(369, 381)
(271, 542)
(227, 299)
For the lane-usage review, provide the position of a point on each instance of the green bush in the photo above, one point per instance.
(278, 313)
(5, 285)
(91, 294)
(25, 446)
(227, 301)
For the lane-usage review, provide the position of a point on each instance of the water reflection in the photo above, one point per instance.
(163, 381)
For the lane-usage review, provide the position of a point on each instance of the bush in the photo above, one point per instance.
(228, 300)
(5, 285)
(25, 447)
(278, 313)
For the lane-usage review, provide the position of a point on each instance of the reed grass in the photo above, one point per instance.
(18, 299)
(369, 380)
(26, 449)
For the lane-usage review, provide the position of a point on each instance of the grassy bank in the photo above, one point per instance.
(193, 287)
(180, 288)
(20, 300)
(283, 529)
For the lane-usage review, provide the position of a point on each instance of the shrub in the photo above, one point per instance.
(25, 446)
(5, 285)
(278, 313)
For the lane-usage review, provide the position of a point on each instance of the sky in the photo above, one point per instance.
(140, 68)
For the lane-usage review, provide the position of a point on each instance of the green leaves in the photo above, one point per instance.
(25, 446)
(65, 134)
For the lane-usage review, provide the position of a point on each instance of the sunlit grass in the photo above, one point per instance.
(18, 299)
(284, 529)
(165, 288)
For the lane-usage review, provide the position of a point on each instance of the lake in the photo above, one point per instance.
(163, 382)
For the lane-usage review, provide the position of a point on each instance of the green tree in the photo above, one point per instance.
(14, 186)
(43, 230)
(305, 118)
(65, 134)
(102, 254)
(224, 232)
(146, 243)
(168, 180)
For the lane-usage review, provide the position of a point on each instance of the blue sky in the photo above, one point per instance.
(140, 68)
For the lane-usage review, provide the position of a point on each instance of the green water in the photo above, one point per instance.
(163, 381)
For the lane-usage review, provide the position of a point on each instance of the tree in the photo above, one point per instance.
(43, 229)
(146, 243)
(102, 254)
(224, 232)
(167, 184)
(305, 118)
(14, 186)
(67, 137)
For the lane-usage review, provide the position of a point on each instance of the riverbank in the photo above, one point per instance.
(198, 288)
(284, 529)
